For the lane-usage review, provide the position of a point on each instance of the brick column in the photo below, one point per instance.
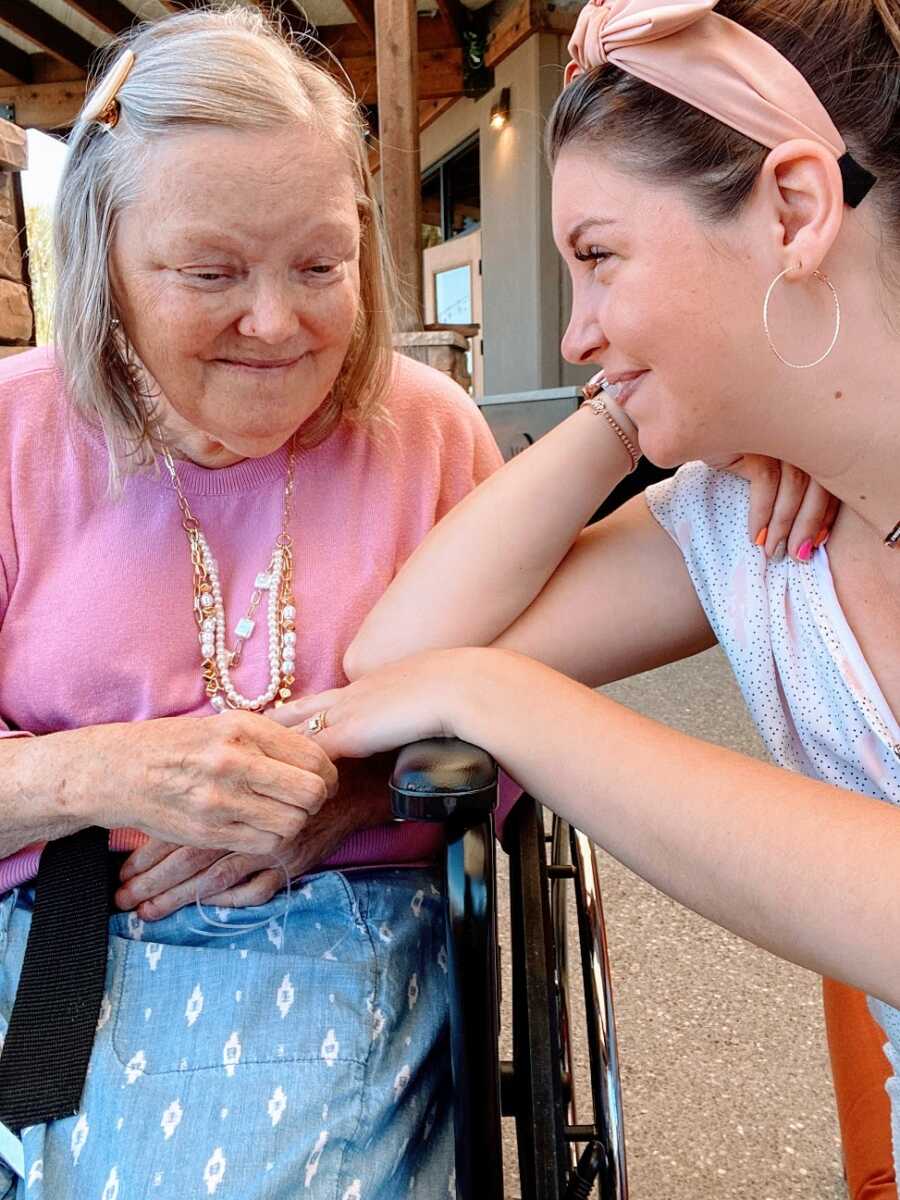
(16, 315)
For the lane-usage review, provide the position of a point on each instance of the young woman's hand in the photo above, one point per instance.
(403, 702)
(789, 512)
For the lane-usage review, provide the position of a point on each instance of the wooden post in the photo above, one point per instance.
(396, 55)
(16, 321)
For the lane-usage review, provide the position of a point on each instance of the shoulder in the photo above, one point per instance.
(432, 422)
(35, 368)
(425, 396)
(703, 510)
(31, 388)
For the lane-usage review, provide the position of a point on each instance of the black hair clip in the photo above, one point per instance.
(858, 182)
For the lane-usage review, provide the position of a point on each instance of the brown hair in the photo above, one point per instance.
(848, 51)
(226, 66)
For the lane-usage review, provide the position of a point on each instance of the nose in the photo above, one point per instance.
(584, 340)
(271, 314)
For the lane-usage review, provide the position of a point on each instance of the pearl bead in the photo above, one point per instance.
(289, 612)
(290, 637)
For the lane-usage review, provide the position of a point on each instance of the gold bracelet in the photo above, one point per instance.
(597, 405)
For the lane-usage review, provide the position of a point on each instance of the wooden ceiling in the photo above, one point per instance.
(46, 46)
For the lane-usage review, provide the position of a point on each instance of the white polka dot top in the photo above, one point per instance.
(809, 690)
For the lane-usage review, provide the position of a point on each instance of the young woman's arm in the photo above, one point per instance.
(806, 870)
(620, 599)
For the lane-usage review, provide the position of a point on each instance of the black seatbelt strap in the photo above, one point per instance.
(54, 1018)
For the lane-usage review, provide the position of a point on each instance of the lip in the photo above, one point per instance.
(627, 382)
(250, 364)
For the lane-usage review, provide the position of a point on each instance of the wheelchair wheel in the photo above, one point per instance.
(573, 858)
(559, 1158)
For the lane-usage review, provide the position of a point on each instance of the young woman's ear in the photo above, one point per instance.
(803, 182)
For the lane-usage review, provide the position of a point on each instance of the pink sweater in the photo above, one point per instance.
(96, 621)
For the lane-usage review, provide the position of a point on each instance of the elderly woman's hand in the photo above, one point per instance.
(789, 512)
(160, 877)
(230, 782)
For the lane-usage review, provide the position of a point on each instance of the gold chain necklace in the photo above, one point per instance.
(209, 607)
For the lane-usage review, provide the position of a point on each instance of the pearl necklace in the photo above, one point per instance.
(209, 607)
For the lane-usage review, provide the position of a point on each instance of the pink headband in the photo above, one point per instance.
(716, 65)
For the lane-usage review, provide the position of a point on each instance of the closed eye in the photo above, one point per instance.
(593, 254)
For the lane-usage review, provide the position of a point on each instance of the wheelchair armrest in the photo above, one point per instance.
(443, 778)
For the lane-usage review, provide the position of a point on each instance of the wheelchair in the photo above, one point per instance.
(449, 781)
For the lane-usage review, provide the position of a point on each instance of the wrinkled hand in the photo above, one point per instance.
(789, 512)
(160, 877)
(230, 782)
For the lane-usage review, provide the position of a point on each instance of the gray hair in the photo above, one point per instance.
(225, 67)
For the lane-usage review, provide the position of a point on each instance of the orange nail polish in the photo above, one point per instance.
(822, 537)
(762, 535)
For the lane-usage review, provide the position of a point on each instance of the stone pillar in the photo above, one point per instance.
(443, 349)
(16, 316)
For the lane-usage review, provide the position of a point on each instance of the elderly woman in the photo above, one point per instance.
(727, 199)
(223, 314)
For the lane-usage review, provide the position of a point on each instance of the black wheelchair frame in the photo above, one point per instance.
(454, 783)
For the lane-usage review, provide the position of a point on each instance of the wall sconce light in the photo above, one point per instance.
(500, 111)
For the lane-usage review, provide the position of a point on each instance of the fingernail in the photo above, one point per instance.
(780, 551)
(804, 553)
(822, 537)
(762, 535)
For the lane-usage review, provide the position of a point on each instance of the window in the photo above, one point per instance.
(451, 196)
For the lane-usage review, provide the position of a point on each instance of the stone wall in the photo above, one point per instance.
(16, 317)
(442, 349)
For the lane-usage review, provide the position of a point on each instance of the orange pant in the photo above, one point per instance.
(860, 1069)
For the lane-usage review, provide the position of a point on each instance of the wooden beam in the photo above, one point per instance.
(396, 51)
(440, 75)
(520, 20)
(363, 13)
(454, 16)
(45, 105)
(430, 110)
(45, 31)
(348, 41)
(15, 62)
(109, 15)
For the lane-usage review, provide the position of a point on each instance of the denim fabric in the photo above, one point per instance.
(305, 1058)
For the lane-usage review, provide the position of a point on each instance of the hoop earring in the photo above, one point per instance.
(837, 321)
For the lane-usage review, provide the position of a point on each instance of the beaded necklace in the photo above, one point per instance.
(209, 607)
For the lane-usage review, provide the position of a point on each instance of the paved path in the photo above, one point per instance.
(725, 1075)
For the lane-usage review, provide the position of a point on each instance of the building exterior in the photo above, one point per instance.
(520, 297)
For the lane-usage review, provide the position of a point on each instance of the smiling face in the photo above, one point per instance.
(236, 276)
(666, 303)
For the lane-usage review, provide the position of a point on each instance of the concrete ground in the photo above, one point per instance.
(724, 1068)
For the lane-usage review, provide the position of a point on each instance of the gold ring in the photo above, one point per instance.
(315, 724)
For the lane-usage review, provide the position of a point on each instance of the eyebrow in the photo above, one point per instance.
(216, 237)
(590, 223)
